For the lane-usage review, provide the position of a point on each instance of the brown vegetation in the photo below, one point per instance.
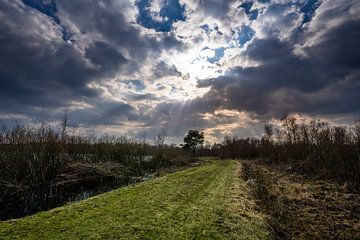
(300, 208)
(315, 149)
(42, 166)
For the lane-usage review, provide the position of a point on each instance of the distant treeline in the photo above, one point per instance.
(315, 148)
(43, 166)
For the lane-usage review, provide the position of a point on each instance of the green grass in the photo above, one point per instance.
(207, 202)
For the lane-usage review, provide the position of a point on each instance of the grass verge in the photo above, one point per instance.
(205, 202)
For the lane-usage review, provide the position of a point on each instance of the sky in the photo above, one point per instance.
(142, 67)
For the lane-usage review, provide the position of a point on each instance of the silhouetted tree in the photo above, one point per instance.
(193, 140)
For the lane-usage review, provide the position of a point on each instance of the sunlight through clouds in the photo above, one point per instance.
(217, 66)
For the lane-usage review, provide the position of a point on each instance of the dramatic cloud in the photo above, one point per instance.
(136, 67)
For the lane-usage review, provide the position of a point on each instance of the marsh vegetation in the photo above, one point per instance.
(42, 166)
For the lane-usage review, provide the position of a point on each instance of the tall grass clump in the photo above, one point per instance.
(281, 220)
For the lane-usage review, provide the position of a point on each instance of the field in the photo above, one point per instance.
(206, 202)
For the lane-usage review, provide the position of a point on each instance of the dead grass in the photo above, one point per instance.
(241, 213)
(326, 210)
(302, 208)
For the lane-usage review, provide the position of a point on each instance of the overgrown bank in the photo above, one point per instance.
(300, 208)
(42, 167)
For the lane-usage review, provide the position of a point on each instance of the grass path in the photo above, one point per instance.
(207, 202)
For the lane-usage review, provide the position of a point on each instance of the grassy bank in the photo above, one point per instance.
(207, 202)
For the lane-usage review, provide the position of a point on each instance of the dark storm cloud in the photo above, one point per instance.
(340, 46)
(163, 69)
(103, 113)
(108, 20)
(325, 82)
(41, 69)
(107, 57)
(36, 69)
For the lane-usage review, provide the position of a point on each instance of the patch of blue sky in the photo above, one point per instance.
(171, 11)
(49, 8)
(308, 9)
(252, 14)
(208, 29)
(135, 84)
(241, 36)
(219, 54)
(244, 34)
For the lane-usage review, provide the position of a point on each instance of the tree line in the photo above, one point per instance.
(315, 148)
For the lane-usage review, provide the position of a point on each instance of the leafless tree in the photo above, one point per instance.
(64, 124)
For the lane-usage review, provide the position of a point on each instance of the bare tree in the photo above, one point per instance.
(160, 138)
(64, 124)
(268, 132)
